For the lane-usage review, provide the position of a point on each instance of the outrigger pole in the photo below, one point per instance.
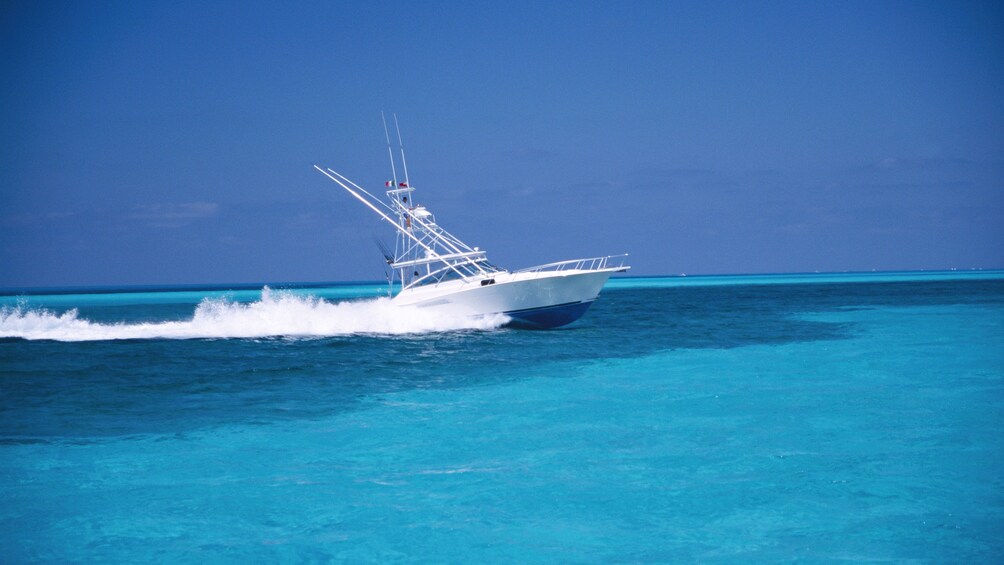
(374, 208)
(444, 237)
(389, 152)
(401, 145)
(431, 253)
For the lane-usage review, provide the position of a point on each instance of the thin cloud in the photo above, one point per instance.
(529, 154)
(899, 164)
(173, 215)
(183, 211)
(29, 218)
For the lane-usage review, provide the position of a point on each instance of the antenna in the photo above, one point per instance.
(401, 143)
(389, 152)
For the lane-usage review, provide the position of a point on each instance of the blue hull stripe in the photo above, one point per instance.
(549, 316)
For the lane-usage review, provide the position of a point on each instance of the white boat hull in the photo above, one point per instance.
(544, 299)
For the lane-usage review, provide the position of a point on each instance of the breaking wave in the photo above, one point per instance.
(276, 314)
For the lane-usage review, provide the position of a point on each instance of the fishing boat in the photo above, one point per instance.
(431, 268)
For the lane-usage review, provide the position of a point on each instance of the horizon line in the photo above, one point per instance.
(161, 287)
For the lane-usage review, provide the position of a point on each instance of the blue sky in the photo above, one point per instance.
(165, 143)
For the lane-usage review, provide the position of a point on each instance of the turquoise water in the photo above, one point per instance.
(743, 419)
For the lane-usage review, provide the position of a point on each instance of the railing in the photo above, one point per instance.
(438, 258)
(592, 264)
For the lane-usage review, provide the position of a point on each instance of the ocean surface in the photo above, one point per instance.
(818, 418)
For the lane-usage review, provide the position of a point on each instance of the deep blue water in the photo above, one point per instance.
(725, 419)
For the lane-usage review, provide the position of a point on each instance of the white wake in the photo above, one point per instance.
(276, 314)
